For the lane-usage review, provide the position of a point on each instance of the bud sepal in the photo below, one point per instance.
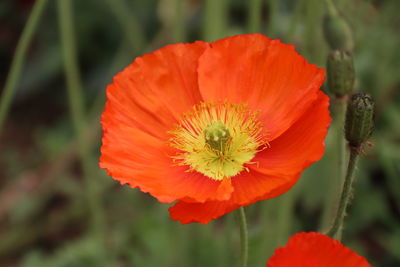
(359, 119)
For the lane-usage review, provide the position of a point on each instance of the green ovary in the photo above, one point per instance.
(217, 136)
(221, 156)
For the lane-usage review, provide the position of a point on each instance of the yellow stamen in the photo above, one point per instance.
(218, 139)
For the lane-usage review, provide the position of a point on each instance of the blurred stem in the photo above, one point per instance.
(254, 21)
(19, 58)
(341, 103)
(215, 17)
(269, 212)
(335, 183)
(126, 20)
(331, 8)
(76, 103)
(299, 7)
(229, 238)
(179, 21)
(277, 220)
(313, 17)
(244, 239)
(284, 216)
(337, 227)
(273, 5)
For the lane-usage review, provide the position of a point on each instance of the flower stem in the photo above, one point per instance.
(19, 58)
(76, 103)
(179, 28)
(341, 113)
(215, 19)
(254, 21)
(337, 227)
(336, 180)
(331, 7)
(244, 241)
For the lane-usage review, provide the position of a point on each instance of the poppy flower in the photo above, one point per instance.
(315, 250)
(214, 126)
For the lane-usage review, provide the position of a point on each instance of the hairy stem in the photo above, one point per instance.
(337, 227)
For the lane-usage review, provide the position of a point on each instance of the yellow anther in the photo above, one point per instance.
(218, 139)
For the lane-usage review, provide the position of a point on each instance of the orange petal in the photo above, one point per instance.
(301, 145)
(152, 92)
(254, 186)
(266, 74)
(289, 155)
(141, 160)
(315, 250)
(200, 212)
(225, 189)
(186, 212)
(144, 102)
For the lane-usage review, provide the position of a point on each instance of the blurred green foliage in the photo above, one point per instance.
(44, 220)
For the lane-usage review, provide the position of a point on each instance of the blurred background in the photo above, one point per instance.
(57, 208)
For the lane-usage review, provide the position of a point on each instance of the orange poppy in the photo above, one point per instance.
(214, 126)
(315, 250)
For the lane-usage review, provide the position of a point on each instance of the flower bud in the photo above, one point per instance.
(340, 72)
(359, 119)
(337, 32)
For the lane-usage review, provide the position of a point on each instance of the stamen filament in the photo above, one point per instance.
(218, 139)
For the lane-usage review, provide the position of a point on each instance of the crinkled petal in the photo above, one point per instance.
(266, 74)
(153, 92)
(141, 160)
(144, 102)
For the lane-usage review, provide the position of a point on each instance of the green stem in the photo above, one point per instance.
(215, 19)
(336, 181)
(244, 240)
(337, 227)
(19, 58)
(296, 16)
(179, 29)
(229, 226)
(76, 103)
(273, 17)
(331, 8)
(254, 22)
(341, 104)
(285, 216)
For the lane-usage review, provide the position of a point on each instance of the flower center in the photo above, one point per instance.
(217, 136)
(218, 139)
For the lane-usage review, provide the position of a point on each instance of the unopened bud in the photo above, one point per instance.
(336, 30)
(359, 119)
(340, 72)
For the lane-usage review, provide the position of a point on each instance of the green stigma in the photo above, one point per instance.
(217, 136)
